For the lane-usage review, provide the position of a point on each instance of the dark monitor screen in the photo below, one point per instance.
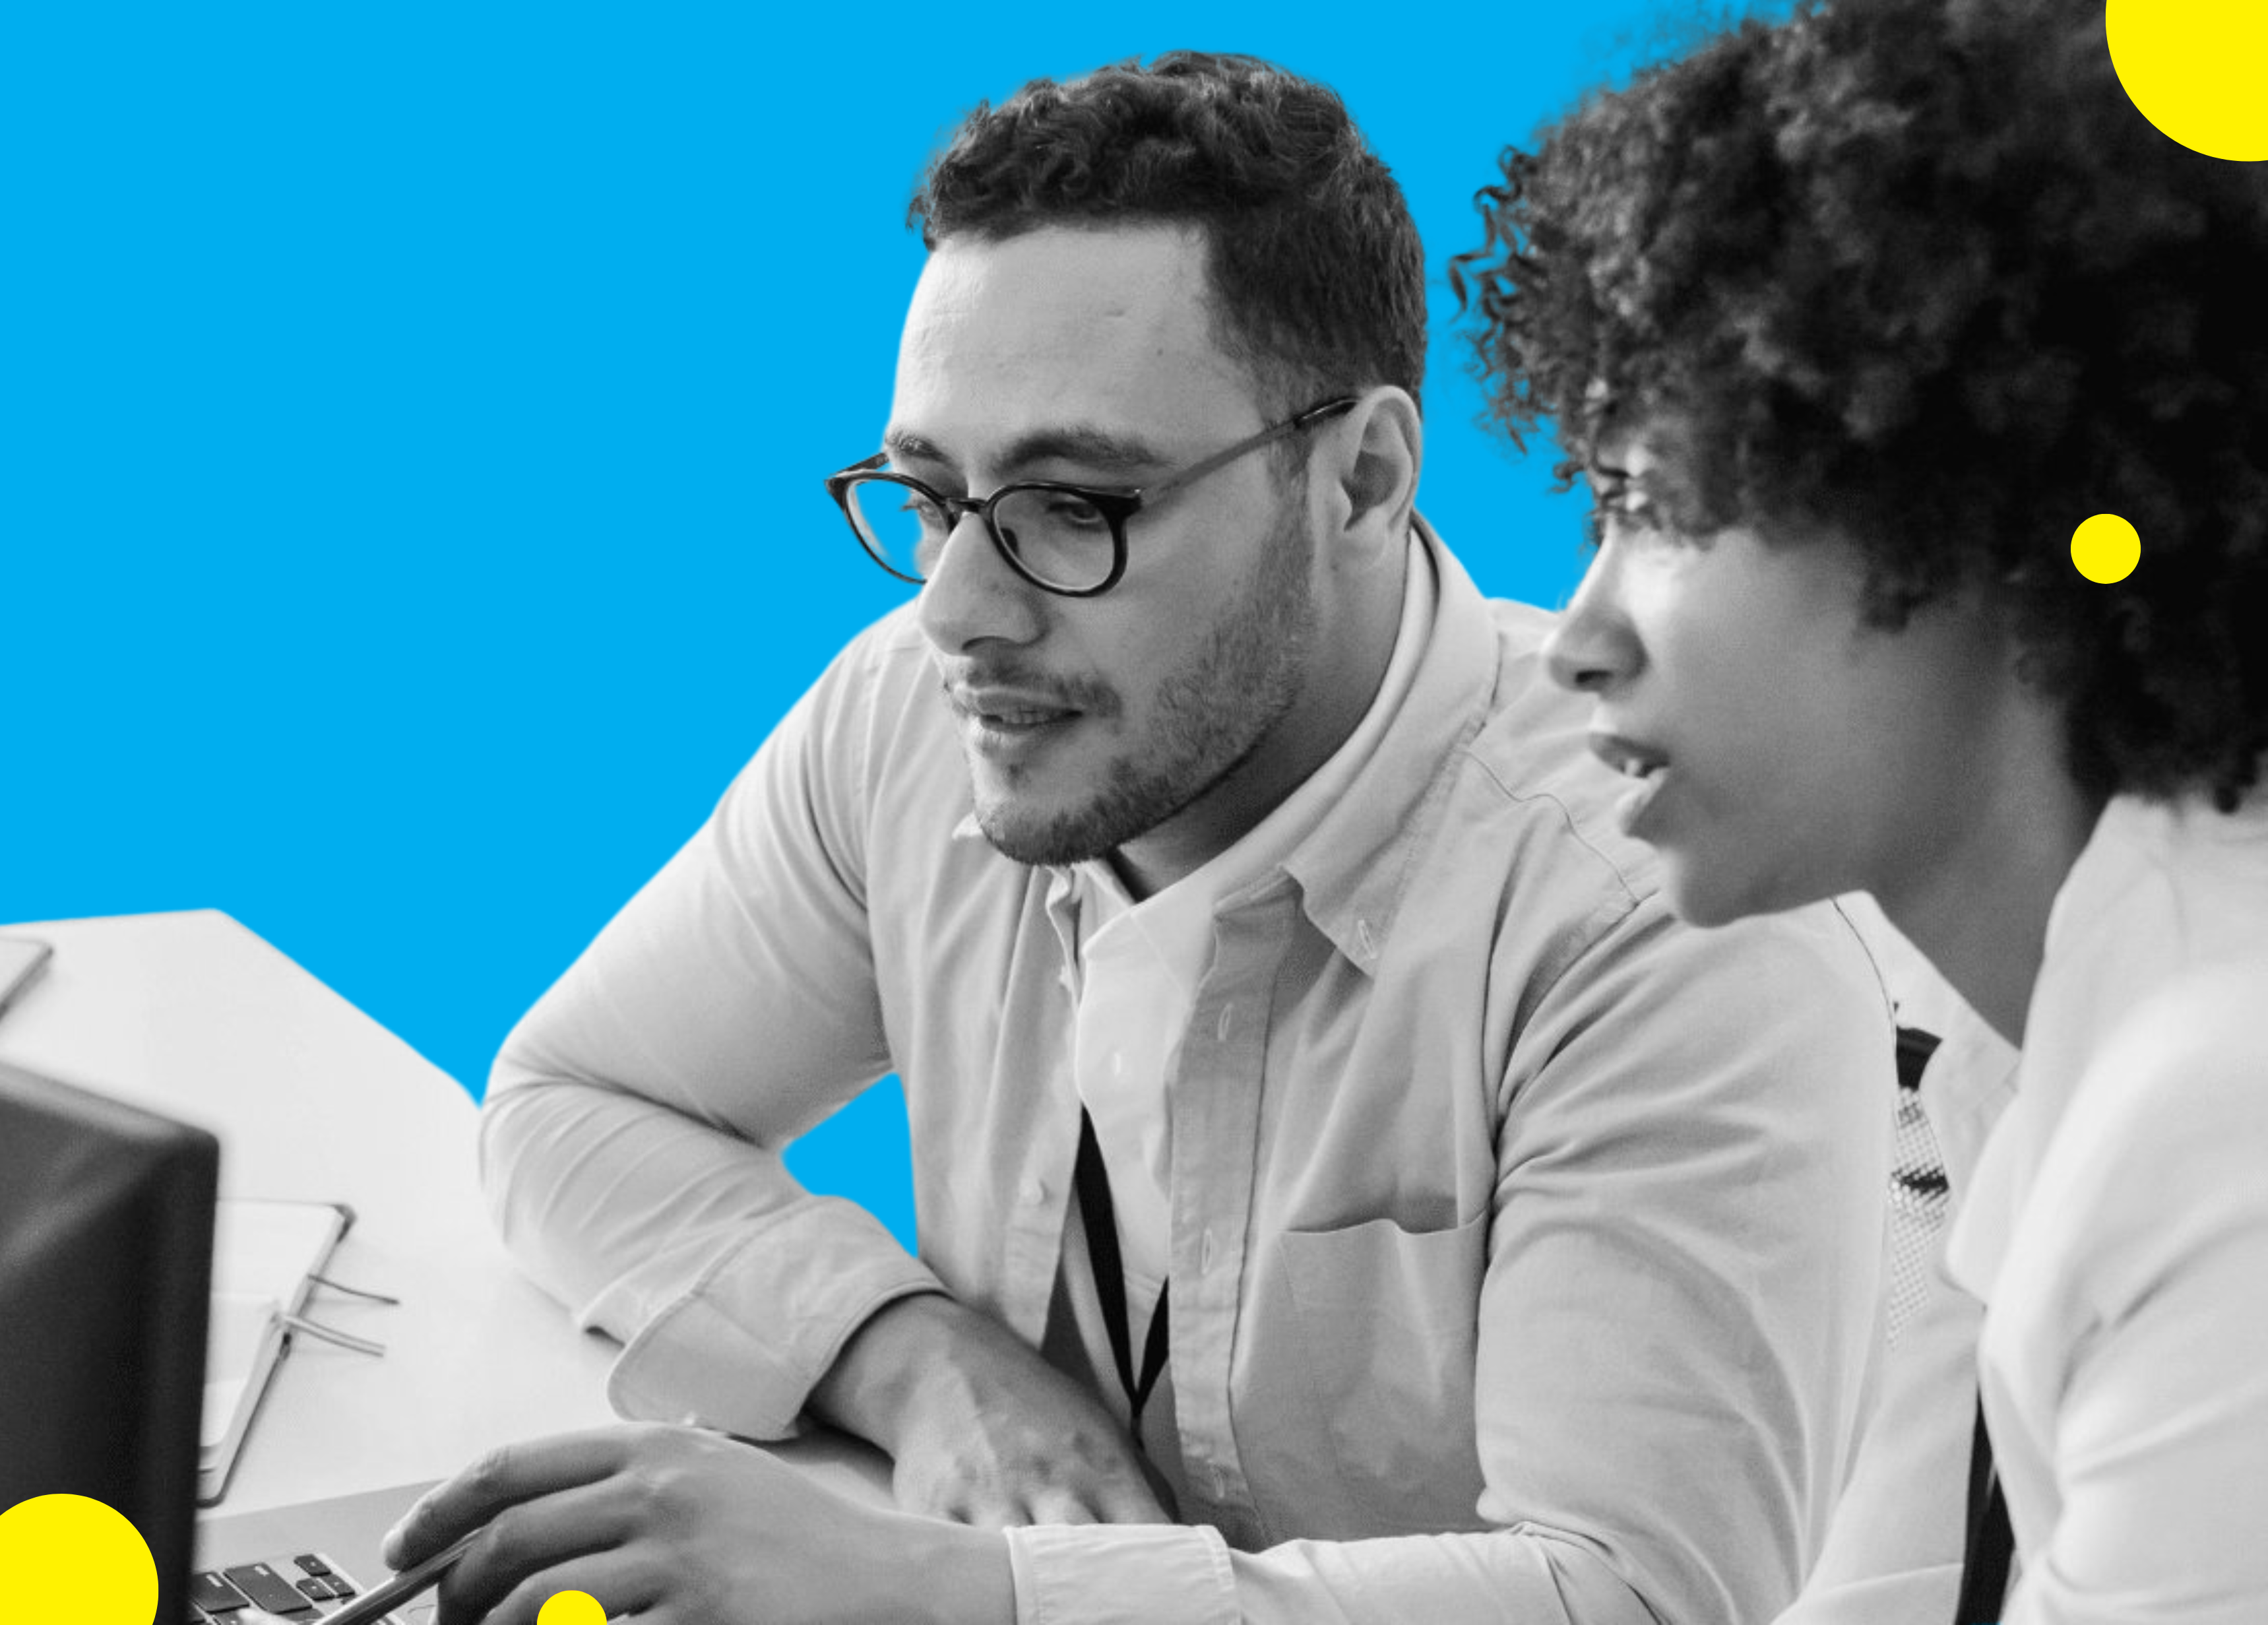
(106, 1265)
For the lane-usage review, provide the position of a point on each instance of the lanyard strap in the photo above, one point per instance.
(1991, 1543)
(1100, 1219)
(1915, 1046)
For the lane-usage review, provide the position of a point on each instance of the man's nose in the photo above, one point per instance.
(973, 596)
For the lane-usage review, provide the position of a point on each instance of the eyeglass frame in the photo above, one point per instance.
(1115, 507)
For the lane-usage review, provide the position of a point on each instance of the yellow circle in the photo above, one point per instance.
(2195, 68)
(2106, 548)
(72, 1557)
(570, 1608)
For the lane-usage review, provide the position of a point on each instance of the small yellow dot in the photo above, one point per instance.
(2106, 548)
(2194, 68)
(570, 1608)
(72, 1557)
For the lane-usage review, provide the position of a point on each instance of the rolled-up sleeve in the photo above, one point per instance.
(632, 1138)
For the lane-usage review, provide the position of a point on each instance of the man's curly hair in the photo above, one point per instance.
(1317, 276)
(1919, 274)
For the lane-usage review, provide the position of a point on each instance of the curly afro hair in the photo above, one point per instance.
(1917, 273)
(1317, 273)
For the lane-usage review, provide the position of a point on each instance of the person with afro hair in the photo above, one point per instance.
(1850, 321)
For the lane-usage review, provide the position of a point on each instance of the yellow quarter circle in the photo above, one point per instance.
(2197, 69)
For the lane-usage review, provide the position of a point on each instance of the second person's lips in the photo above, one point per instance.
(1627, 757)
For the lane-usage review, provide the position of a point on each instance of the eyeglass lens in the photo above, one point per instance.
(1058, 537)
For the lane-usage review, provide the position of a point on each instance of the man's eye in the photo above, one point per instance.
(1073, 513)
(933, 520)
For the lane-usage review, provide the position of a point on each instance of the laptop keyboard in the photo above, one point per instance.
(302, 1589)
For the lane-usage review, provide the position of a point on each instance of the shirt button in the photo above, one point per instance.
(1207, 1252)
(1220, 1484)
(1227, 1020)
(1033, 1192)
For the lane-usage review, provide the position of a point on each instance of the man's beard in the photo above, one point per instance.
(1208, 718)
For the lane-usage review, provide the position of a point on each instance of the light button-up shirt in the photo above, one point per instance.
(1524, 1243)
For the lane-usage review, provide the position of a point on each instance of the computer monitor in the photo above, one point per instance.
(106, 1267)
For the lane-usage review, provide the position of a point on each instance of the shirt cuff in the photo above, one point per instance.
(1121, 1574)
(742, 1349)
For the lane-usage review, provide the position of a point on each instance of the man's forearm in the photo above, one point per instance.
(729, 1281)
(871, 1384)
(979, 1427)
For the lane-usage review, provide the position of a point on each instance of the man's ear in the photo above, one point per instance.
(1374, 476)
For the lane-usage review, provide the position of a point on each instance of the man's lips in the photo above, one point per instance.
(1008, 707)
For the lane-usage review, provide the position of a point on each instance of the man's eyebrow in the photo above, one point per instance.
(1089, 448)
(904, 445)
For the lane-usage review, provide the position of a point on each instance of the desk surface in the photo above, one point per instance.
(193, 1014)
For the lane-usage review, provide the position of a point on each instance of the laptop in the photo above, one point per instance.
(103, 1388)
(318, 1554)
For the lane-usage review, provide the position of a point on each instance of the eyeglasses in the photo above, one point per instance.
(1065, 539)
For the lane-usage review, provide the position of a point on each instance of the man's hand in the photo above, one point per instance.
(682, 1527)
(983, 1430)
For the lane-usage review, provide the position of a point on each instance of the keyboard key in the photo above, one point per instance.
(309, 1563)
(341, 1588)
(268, 1589)
(313, 1590)
(215, 1595)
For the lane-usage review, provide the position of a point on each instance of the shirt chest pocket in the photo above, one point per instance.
(1385, 1322)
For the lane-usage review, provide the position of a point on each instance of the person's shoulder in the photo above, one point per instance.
(1546, 808)
(2191, 1059)
(871, 736)
(883, 685)
(2156, 1159)
(2168, 1103)
(886, 658)
(2156, 983)
(1532, 748)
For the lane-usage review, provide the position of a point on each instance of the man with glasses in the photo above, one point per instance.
(1324, 1135)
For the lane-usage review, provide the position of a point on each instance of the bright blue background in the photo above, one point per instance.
(412, 418)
